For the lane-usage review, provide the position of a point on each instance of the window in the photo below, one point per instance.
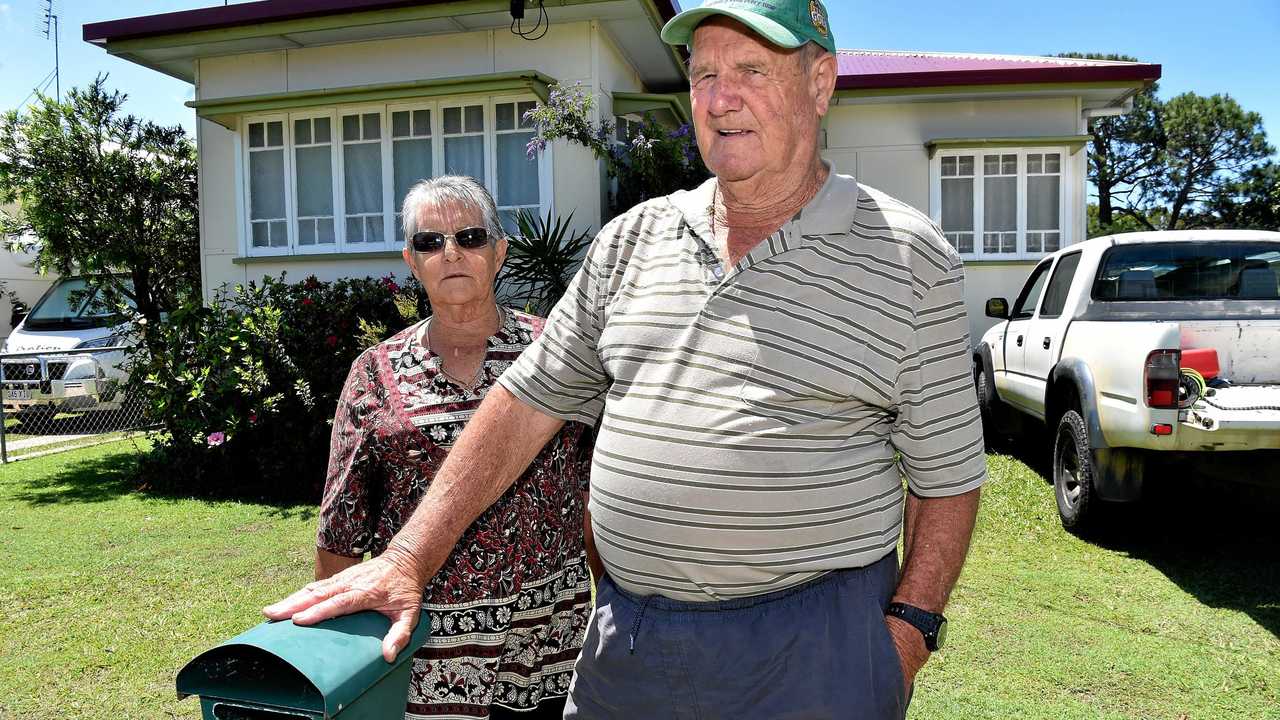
(464, 141)
(517, 175)
(333, 180)
(957, 201)
(1055, 296)
(1044, 192)
(362, 176)
(1025, 307)
(313, 180)
(1220, 270)
(412, 153)
(1000, 204)
(268, 223)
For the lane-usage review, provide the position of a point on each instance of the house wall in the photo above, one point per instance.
(571, 53)
(883, 145)
(18, 277)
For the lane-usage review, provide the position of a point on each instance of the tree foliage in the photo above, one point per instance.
(1126, 149)
(1193, 161)
(107, 195)
(1211, 144)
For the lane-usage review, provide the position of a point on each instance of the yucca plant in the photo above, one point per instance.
(541, 260)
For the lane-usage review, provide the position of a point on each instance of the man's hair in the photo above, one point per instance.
(456, 189)
(809, 54)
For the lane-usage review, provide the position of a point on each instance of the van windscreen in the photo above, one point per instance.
(70, 303)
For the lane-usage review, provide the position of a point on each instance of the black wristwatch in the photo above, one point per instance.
(933, 626)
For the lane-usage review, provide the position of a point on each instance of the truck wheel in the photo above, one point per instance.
(1073, 474)
(989, 407)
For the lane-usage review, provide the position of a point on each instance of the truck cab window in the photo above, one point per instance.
(1025, 307)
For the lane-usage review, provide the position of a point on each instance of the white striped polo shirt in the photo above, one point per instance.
(758, 421)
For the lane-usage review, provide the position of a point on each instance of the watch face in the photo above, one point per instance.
(942, 634)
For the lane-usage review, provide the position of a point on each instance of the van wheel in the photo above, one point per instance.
(1074, 474)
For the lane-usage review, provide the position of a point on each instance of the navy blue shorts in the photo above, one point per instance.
(817, 650)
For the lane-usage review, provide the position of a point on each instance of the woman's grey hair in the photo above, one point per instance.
(455, 189)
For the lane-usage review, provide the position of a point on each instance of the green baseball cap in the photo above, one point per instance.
(785, 23)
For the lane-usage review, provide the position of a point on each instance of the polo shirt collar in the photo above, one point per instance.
(830, 212)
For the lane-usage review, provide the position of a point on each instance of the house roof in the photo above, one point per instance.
(871, 69)
(866, 70)
(263, 11)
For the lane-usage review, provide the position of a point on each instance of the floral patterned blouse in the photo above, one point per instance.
(509, 608)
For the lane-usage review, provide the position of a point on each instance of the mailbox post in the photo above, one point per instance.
(281, 671)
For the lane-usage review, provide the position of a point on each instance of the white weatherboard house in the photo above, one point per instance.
(317, 115)
(18, 276)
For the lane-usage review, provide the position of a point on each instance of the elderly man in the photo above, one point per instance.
(771, 352)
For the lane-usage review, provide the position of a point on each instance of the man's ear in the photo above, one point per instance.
(822, 82)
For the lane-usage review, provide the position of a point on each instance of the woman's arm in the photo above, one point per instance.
(329, 564)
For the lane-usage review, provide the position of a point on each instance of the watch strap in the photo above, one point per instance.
(928, 623)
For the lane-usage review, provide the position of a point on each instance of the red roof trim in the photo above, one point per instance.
(1002, 76)
(264, 11)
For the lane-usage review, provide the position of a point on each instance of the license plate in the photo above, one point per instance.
(17, 394)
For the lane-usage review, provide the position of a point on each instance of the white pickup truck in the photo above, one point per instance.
(1138, 349)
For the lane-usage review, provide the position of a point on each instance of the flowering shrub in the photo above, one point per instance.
(653, 162)
(245, 387)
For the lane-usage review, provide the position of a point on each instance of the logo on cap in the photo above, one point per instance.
(818, 16)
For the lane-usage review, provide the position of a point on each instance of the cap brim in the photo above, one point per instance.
(679, 30)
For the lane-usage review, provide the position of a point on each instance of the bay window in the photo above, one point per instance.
(1002, 203)
(332, 180)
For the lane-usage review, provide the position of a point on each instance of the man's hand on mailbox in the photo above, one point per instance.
(379, 584)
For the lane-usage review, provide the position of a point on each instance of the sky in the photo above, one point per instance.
(1203, 47)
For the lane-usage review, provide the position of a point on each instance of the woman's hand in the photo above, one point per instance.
(381, 584)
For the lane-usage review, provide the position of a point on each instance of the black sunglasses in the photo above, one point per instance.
(429, 241)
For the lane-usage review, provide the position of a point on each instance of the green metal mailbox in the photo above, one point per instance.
(282, 671)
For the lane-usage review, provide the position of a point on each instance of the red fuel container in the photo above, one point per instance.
(1202, 360)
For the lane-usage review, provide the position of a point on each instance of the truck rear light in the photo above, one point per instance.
(1162, 429)
(1161, 379)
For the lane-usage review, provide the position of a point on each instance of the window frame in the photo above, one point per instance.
(339, 200)
(391, 207)
(246, 198)
(545, 178)
(437, 149)
(1066, 175)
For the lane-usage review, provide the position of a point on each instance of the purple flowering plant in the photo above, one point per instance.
(650, 161)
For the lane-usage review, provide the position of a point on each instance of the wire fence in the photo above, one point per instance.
(57, 400)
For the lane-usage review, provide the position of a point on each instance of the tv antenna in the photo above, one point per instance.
(51, 28)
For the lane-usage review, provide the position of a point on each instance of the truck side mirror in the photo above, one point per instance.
(282, 671)
(998, 308)
(18, 314)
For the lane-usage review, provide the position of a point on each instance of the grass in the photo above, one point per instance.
(108, 590)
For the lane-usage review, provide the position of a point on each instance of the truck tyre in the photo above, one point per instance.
(988, 406)
(1074, 474)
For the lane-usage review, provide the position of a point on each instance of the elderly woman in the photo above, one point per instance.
(509, 608)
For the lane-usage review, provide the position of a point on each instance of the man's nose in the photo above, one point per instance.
(724, 97)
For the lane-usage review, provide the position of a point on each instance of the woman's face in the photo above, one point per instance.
(455, 275)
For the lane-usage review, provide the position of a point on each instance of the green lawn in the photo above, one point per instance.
(106, 592)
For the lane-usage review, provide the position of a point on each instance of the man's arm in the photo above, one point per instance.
(935, 543)
(497, 445)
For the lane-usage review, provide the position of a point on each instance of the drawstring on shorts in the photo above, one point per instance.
(635, 626)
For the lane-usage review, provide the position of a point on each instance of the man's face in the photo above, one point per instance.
(755, 105)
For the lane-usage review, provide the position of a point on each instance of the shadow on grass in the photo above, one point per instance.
(1218, 541)
(107, 477)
